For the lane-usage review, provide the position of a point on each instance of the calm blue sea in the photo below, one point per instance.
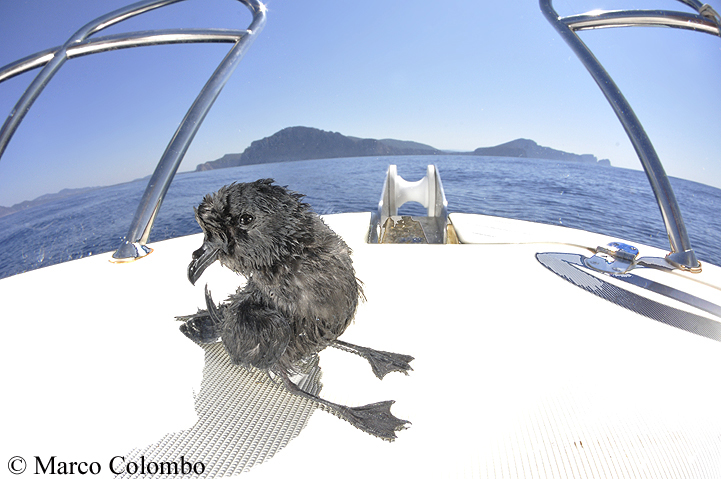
(614, 201)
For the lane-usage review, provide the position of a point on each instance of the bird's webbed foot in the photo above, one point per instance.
(375, 419)
(205, 325)
(201, 329)
(382, 362)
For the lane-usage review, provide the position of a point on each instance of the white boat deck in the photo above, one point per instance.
(518, 373)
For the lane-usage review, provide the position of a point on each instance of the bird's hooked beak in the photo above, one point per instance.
(202, 258)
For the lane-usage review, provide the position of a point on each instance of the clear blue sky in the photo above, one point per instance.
(455, 75)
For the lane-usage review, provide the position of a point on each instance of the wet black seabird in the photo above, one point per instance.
(300, 296)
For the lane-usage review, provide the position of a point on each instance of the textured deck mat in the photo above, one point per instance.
(570, 267)
(244, 418)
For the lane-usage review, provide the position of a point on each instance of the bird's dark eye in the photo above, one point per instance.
(246, 219)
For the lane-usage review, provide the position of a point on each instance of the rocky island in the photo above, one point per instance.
(304, 143)
(523, 148)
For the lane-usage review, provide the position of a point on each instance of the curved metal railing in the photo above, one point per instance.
(705, 20)
(80, 43)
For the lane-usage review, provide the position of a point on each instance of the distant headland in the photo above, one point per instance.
(303, 143)
(8, 210)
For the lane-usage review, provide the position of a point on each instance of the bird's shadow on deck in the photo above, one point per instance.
(244, 418)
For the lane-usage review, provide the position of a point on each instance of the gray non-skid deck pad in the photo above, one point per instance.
(244, 418)
(571, 268)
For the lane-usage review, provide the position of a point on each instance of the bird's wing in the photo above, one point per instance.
(254, 334)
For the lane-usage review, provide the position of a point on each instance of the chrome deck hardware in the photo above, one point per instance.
(388, 227)
(614, 258)
(706, 20)
(80, 43)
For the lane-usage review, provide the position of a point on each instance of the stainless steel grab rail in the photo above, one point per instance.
(123, 40)
(706, 20)
(133, 245)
